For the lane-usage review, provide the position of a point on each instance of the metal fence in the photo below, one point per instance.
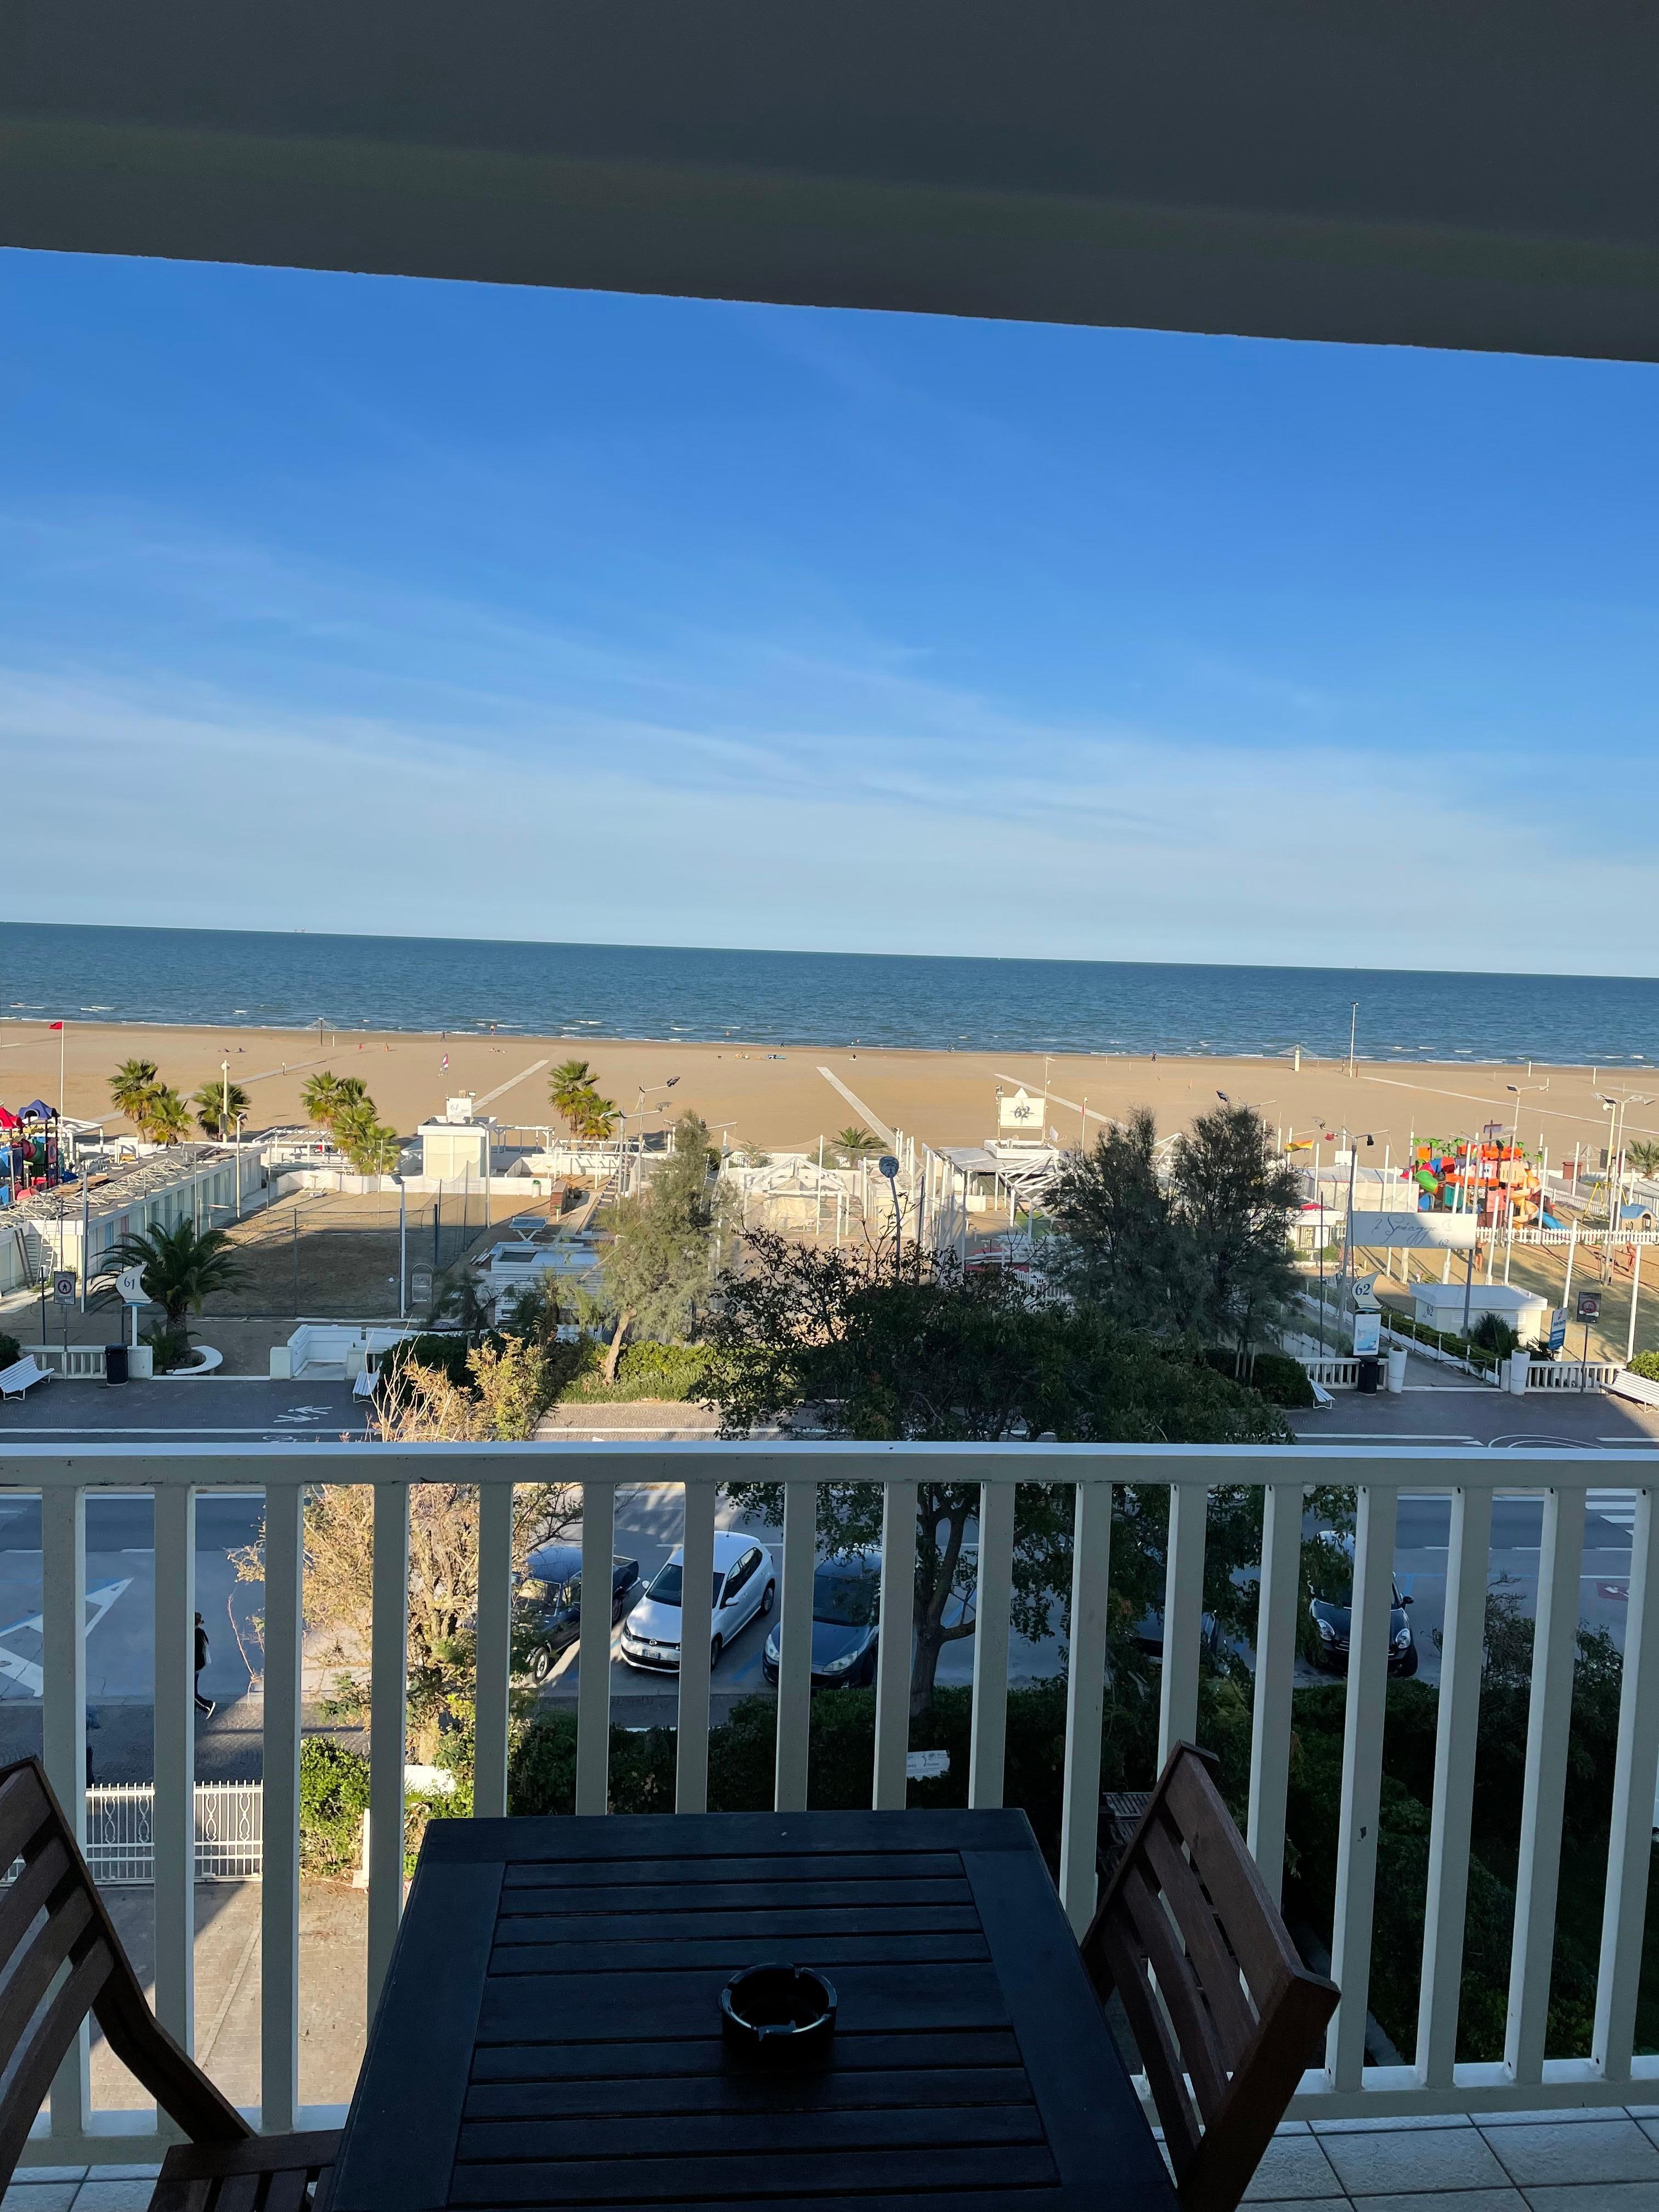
(120, 1831)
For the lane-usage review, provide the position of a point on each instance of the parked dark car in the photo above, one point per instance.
(550, 1602)
(846, 1623)
(1331, 1572)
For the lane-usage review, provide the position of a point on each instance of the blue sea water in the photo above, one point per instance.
(244, 978)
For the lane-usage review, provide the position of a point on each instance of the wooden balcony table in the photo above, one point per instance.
(549, 2030)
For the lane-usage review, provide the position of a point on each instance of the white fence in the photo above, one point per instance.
(1571, 1374)
(120, 1831)
(1341, 2086)
(1332, 1371)
(75, 1362)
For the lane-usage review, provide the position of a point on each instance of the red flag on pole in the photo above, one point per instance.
(55, 1025)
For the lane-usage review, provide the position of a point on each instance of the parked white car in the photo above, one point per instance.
(745, 1588)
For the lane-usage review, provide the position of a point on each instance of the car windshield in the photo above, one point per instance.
(844, 1597)
(665, 1585)
(1332, 1579)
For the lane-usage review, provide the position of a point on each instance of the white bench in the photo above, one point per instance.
(364, 1385)
(17, 1380)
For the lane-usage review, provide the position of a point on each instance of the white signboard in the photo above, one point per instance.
(420, 1287)
(926, 1765)
(1453, 1232)
(1022, 1114)
(1367, 1335)
(130, 1284)
(62, 1287)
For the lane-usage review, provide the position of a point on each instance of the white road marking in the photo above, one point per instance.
(27, 1672)
(857, 1104)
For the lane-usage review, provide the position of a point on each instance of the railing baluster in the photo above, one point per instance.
(593, 1651)
(993, 1598)
(1278, 1618)
(495, 1654)
(898, 1608)
(696, 1591)
(794, 1707)
(1462, 1654)
(1183, 1618)
(1085, 1692)
(388, 1699)
(1554, 1651)
(1630, 1848)
(279, 1895)
(64, 1726)
(174, 1814)
(1362, 1781)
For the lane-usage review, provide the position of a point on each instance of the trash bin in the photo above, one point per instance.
(115, 1364)
(1371, 1374)
(1396, 1370)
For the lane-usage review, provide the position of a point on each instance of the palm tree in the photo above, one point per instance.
(218, 1105)
(367, 1142)
(351, 1090)
(183, 1266)
(320, 1097)
(165, 1119)
(592, 1117)
(570, 1081)
(130, 1085)
(1644, 1156)
(855, 1144)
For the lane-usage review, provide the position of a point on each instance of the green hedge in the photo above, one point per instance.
(1280, 1380)
(10, 1350)
(333, 1799)
(673, 1372)
(1646, 1365)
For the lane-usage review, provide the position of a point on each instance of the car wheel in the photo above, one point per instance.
(867, 1672)
(769, 1599)
(1408, 1664)
(541, 1664)
(714, 1650)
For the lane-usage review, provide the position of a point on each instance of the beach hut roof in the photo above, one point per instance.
(38, 1111)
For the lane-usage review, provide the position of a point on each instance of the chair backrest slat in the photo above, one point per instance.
(1155, 1939)
(1160, 2053)
(1223, 2011)
(1212, 1960)
(51, 1916)
(44, 2053)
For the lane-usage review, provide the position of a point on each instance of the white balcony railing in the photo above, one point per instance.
(1343, 2086)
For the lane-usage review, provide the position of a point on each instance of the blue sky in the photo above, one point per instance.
(369, 604)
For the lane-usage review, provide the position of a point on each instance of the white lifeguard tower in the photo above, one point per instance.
(455, 1144)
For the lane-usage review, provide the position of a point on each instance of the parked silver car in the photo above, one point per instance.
(744, 1589)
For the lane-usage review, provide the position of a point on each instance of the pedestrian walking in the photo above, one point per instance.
(204, 1706)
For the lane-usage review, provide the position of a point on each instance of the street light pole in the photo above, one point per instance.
(888, 1166)
(1353, 1029)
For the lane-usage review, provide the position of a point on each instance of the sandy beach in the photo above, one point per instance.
(786, 1099)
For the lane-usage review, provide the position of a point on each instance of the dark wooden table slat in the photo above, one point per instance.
(730, 2090)
(626, 2178)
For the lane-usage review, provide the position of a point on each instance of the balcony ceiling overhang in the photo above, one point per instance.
(1474, 173)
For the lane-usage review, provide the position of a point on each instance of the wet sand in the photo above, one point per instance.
(782, 1100)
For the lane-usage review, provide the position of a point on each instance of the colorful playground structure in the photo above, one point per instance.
(29, 1157)
(1500, 1183)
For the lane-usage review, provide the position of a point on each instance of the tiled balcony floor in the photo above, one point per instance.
(1604, 2160)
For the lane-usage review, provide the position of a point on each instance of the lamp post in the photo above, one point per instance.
(1353, 1029)
(888, 1166)
(1517, 1089)
(240, 1118)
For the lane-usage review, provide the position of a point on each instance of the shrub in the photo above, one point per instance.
(1645, 1364)
(1281, 1380)
(671, 1372)
(333, 1799)
(10, 1350)
(447, 1352)
(1493, 1333)
(170, 1345)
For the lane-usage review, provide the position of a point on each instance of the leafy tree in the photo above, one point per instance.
(855, 1144)
(130, 1088)
(659, 1268)
(218, 1105)
(183, 1266)
(1642, 1153)
(571, 1080)
(164, 1117)
(922, 1351)
(1199, 1253)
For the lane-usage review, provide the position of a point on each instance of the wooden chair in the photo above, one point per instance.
(1225, 2015)
(51, 1917)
